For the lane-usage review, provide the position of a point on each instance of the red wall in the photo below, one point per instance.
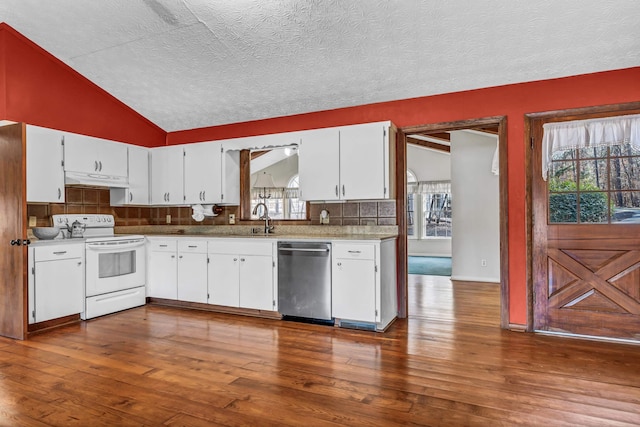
(513, 101)
(42, 90)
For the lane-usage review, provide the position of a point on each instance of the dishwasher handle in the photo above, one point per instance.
(303, 249)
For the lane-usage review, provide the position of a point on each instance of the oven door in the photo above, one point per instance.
(114, 265)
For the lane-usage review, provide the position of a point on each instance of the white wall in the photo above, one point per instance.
(429, 165)
(475, 208)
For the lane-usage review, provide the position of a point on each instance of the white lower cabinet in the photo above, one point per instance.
(192, 270)
(241, 274)
(56, 283)
(162, 273)
(363, 283)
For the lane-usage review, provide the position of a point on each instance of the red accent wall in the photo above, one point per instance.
(3, 89)
(513, 101)
(40, 89)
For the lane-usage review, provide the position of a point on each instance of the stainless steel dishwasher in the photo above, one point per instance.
(304, 281)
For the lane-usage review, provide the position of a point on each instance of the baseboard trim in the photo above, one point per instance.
(475, 279)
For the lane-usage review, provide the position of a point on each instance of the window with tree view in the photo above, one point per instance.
(595, 185)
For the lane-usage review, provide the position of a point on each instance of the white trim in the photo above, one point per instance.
(476, 279)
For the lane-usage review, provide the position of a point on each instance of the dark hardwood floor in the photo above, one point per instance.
(447, 364)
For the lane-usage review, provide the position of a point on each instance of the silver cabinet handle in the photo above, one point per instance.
(343, 189)
(173, 256)
(354, 252)
(130, 196)
(192, 246)
(337, 191)
(203, 195)
(100, 165)
(163, 246)
(168, 197)
(95, 165)
(59, 193)
(60, 253)
(79, 263)
(235, 259)
(339, 264)
(242, 259)
(180, 257)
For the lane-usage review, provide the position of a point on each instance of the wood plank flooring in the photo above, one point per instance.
(447, 364)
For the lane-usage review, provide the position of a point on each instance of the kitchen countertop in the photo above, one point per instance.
(318, 233)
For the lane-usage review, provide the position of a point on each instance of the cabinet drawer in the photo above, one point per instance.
(163, 245)
(240, 246)
(50, 253)
(196, 246)
(353, 251)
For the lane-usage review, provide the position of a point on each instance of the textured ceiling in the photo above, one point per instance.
(185, 64)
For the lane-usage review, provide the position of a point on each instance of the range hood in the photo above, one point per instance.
(95, 180)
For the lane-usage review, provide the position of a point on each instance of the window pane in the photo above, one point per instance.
(564, 155)
(437, 214)
(594, 207)
(625, 173)
(626, 207)
(593, 153)
(563, 171)
(563, 207)
(593, 175)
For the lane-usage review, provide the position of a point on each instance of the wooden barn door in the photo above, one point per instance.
(586, 239)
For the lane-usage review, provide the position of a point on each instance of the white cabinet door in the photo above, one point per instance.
(112, 157)
(256, 282)
(45, 173)
(319, 165)
(192, 277)
(167, 176)
(362, 161)
(224, 283)
(353, 282)
(162, 275)
(203, 172)
(80, 154)
(58, 288)
(138, 191)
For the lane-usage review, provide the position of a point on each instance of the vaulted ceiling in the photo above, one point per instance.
(185, 64)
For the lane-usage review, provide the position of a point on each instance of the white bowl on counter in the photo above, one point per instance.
(45, 233)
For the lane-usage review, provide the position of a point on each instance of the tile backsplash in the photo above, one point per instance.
(80, 200)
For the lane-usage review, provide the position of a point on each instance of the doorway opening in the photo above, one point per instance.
(438, 137)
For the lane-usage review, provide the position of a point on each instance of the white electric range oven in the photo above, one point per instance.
(115, 270)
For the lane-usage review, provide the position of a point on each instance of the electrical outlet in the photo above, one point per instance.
(232, 218)
(168, 219)
(483, 263)
(33, 221)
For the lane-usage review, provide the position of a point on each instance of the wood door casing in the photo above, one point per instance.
(13, 283)
(585, 278)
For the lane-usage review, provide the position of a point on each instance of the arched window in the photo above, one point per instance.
(297, 207)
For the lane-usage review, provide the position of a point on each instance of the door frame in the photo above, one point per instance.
(401, 205)
(537, 232)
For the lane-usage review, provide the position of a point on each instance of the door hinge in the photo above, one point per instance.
(62, 163)
(184, 153)
(33, 314)
(532, 143)
(385, 191)
(376, 313)
(62, 141)
(273, 263)
(376, 268)
(222, 196)
(274, 303)
(221, 149)
(208, 260)
(33, 270)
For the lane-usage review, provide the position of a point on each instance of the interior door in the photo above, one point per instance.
(13, 283)
(586, 241)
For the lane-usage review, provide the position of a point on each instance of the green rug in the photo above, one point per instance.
(430, 265)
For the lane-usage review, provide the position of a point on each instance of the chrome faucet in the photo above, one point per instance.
(267, 228)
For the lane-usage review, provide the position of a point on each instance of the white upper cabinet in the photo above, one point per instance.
(45, 171)
(203, 172)
(138, 191)
(167, 176)
(86, 154)
(319, 164)
(364, 157)
(346, 163)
